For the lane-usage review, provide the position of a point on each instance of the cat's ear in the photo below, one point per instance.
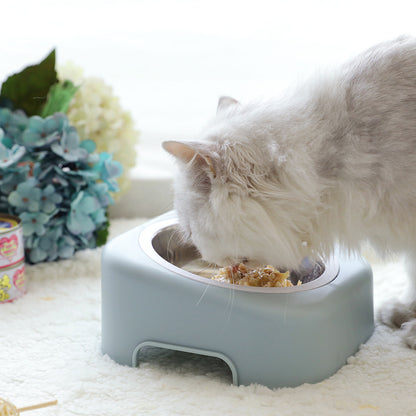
(226, 102)
(190, 151)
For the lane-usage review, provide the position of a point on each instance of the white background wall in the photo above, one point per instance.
(170, 60)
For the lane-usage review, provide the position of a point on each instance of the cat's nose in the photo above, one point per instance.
(236, 260)
(247, 261)
(252, 262)
(228, 261)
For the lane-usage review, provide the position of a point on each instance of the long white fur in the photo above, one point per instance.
(334, 163)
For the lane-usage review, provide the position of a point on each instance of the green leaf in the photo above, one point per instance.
(102, 233)
(29, 88)
(59, 97)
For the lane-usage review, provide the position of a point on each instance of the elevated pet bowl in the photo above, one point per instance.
(272, 336)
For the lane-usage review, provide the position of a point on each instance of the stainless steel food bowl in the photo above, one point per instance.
(272, 336)
(162, 242)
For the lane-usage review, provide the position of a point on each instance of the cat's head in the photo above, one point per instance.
(234, 199)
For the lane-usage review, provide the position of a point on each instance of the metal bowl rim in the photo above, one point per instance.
(146, 243)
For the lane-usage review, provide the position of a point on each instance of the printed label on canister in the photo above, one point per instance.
(12, 282)
(11, 241)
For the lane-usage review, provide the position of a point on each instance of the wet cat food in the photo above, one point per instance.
(241, 274)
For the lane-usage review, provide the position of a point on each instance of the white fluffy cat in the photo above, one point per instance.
(335, 163)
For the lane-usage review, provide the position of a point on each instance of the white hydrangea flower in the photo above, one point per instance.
(97, 115)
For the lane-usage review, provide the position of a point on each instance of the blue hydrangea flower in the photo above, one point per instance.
(34, 223)
(68, 147)
(66, 247)
(80, 175)
(101, 192)
(36, 254)
(13, 123)
(51, 174)
(27, 196)
(108, 170)
(88, 145)
(50, 246)
(41, 131)
(10, 156)
(10, 178)
(45, 246)
(5, 115)
(86, 241)
(49, 199)
(99, 216)
(80, 218)
(56, 183)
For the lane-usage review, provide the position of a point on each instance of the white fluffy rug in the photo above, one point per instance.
(50, 348)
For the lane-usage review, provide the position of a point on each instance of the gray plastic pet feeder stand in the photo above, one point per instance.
(278, 337)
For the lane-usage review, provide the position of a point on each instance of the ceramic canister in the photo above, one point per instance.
(12, 268)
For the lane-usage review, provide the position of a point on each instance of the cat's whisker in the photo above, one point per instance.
(202, 296)
(206, 272)
(169, 249)
(230, 305)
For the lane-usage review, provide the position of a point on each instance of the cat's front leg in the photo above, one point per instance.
(395, 314)
(403, 314)
(409, 333)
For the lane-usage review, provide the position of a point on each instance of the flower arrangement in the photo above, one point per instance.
(96, 113)
(53, 180)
